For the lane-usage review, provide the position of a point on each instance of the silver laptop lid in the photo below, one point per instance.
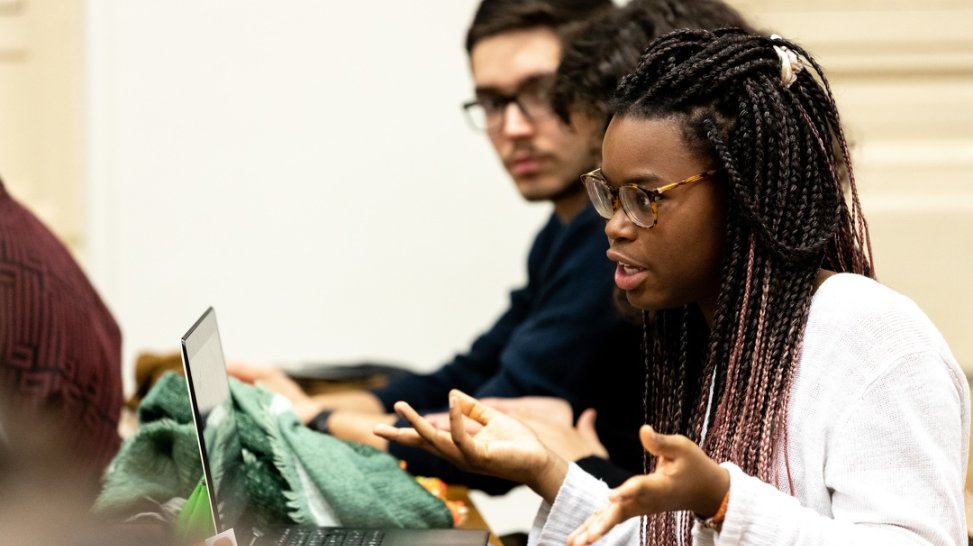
(215, 420)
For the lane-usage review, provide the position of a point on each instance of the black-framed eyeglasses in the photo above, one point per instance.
(641, 205)
(533, 98)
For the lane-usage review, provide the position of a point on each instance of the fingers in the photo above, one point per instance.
(641, 490)
(438, 420)
(586, 422)
(405, 436)
(647, 436)
(441, 422)
(664, 445)
(479, 412)
(509, 406)
(439, 441)
(422, 427)
(586, 428)
(597, 525)
(457, 428)
(247, 373)
(498, 403)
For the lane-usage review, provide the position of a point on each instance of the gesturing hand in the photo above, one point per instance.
(570, 442)
(556, 411)
(685, 478)
(550, 418)
(502, 446)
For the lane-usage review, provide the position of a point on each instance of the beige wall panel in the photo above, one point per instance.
(847, 5)
(921, 169)
(15, 141)
(939, 109)
(41, 93)
(902, 74)
(923, 250)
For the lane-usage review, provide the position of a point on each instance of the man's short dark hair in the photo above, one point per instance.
(597, 53)
(499, 16)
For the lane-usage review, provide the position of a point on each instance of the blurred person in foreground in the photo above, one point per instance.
(60, 348)
(60, 393)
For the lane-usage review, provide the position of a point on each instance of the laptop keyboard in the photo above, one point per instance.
(330, 537)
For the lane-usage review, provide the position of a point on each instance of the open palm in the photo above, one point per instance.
(502, 446)
(685, 478)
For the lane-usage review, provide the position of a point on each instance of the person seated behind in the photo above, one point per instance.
(792, 398)
(549, 341)
(597, 52)
(60, 348)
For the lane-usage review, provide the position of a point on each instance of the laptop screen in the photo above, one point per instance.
(213, 414)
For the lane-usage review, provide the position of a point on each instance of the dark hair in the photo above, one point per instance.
(598, 53)
(780, 150)
(499, 16)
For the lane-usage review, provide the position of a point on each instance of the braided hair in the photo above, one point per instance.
(785, 162)
(599, 51)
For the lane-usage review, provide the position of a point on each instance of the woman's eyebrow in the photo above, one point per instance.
(642, 179)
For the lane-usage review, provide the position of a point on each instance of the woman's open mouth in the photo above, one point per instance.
(629, 277)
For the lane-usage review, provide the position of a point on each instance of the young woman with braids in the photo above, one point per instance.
(792, 399)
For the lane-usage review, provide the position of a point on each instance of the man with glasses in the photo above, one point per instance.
(561, 333)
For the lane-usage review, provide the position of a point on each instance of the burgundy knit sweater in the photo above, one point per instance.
(60, 348)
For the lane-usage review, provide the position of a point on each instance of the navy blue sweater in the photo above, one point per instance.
(561, 336)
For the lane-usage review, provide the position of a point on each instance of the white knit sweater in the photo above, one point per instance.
(878, 437)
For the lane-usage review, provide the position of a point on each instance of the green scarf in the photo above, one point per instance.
(289, 468)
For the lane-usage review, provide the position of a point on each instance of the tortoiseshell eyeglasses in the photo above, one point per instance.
(641, 205)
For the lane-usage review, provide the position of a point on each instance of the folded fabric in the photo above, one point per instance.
(293, 474)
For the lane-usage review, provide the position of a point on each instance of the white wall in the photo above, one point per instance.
(304, 167)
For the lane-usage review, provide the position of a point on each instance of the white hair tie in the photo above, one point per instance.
(790, 63)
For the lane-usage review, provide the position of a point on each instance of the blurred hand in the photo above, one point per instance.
(441, 421)
(570, 442)
(539, 408)
(685, 478)
(546, 409)
(552, 419)
(275, 380)
(358, 427)
(502, 447)
(306, 406)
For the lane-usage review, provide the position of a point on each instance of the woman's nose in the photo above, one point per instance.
(619, 227)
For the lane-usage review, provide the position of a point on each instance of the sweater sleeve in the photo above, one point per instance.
(895, 469)
(580, 496)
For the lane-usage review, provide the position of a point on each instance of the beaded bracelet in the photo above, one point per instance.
(717, 520)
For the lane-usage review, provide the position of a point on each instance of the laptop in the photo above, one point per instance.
(221, 453)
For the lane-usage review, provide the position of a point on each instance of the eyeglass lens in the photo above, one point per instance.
(533, 99)
(636, 203)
